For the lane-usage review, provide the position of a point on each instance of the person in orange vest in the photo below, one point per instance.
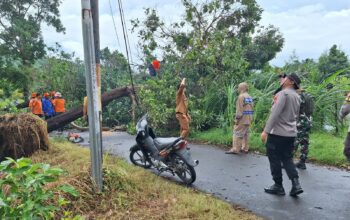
(37, 107)
(59, 105)
(32, 99)
(53, 93)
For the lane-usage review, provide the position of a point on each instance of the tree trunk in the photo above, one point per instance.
(23, 104)
(133, 106)
(75, 113)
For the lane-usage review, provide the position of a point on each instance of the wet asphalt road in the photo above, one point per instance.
(240, 179)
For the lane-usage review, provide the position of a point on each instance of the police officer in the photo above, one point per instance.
(279, 135)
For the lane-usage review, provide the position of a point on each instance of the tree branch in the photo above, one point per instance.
(2, 24)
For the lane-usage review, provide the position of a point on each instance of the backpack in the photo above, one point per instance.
(307, 104)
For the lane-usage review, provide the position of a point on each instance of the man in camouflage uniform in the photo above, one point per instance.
(304, 125)
(344, 112)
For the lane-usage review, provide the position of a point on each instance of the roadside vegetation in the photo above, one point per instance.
(216, 44)
(325, 148)
(129, 192)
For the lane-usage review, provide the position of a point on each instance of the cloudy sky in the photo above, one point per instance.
(309, 26)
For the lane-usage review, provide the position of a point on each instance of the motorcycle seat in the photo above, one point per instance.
(162, 143)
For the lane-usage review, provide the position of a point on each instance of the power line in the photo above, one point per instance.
(127, 48)
(114, 25)
(126, 30)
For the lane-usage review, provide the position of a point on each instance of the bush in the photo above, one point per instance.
(26, 191)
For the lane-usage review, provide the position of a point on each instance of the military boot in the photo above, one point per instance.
(296, 188)
(301, 165)
(276, 189)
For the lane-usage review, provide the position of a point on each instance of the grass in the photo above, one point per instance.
(324, 148)
(131, 192)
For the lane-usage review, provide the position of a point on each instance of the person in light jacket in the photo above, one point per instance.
(243, 119)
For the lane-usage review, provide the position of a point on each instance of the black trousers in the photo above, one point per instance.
(280, 150)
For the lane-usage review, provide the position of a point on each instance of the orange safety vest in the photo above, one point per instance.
(31, 104)
(59, 105)
(37, 107)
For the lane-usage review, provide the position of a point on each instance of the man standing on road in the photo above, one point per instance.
(182, 114)
(243, 119)
(304, 127)
(344, 111)
(279, 135)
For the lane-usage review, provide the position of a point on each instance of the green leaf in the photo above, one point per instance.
(23, 162)
(69, 189)
(333, 76)
(2, 203)
(54, 171)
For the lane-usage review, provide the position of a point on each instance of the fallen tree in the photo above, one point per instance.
(115, 128)
(75, 113)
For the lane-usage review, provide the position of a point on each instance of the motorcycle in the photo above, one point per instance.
(164, 154)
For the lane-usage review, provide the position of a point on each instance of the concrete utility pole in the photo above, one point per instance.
(96, 27)
(94, 103)
(96, 32)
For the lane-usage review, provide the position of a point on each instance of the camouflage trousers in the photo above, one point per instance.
(347, 147)
(303, 136)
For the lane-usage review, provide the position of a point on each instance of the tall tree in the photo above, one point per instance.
(333, 60)
(211, 24)
(264, 47)
(20, 27)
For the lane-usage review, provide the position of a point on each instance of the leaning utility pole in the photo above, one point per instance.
(94, 105)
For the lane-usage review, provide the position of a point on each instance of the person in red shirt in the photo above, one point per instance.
(156, 65)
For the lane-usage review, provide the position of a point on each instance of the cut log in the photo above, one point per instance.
(75, 113)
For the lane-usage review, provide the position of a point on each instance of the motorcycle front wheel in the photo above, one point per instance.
(184, 171)
(138, 158)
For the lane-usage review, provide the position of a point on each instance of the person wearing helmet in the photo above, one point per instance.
(48, 108)
(59, 105)
(36, 106)
(52, 98)
(32, 99)
(243, 119)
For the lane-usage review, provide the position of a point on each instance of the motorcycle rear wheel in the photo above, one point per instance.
(184, 171)
(138, 158)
